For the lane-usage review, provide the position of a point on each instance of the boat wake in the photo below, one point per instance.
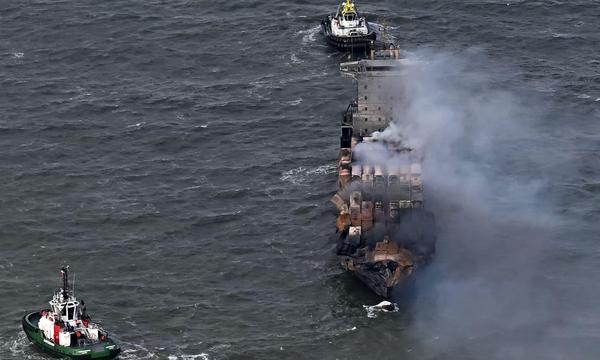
(20, 348)
(136, 352)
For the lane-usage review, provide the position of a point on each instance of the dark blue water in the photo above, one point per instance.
(180, 157)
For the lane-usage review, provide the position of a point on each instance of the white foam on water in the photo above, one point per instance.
(563, 36)
(136, 126)
(294, 102)
(19, 346)
(136, 352)
(82, 94)
(302, 175)
(295, 60)
(202, 356)
(309, 35)
(583, 96)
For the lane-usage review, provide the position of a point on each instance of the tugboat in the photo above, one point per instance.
(65, 330)
(347, 30)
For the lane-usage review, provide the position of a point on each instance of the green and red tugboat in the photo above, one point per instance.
(65, 330)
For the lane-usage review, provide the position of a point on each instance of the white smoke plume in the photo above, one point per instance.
(484, 296)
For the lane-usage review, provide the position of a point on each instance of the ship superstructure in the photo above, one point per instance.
(385, 231)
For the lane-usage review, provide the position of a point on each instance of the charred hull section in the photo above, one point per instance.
(347, 43)
(377, 277)
(385, 231)
(387, 264)
(382, 268)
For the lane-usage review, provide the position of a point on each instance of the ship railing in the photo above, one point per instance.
(385, 54)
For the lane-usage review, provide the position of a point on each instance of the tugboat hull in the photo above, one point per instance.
(105, 350)
(348, 43)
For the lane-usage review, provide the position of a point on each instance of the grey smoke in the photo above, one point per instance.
(487, 295)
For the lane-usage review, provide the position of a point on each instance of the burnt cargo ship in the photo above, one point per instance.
(385, 231)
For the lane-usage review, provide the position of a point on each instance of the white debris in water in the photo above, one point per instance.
(374, 310)
(137, 126)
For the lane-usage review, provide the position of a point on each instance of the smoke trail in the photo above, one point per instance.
(487, 286)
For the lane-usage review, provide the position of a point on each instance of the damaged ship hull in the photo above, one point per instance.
(386, 233)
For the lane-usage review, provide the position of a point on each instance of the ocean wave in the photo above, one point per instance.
(202, 356)
(295, 60)
(19, 347)
(302, 175)
(136, 352)
(219, 218)
(566, 36)
(136, 125)
(294, 102)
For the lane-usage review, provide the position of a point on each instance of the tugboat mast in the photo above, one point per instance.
(65, 276)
